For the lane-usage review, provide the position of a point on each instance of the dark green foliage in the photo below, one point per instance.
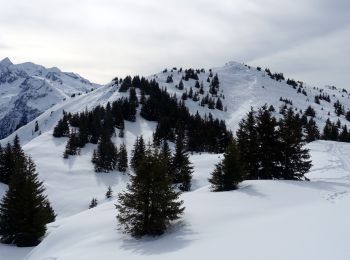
(310, 112)
(347, 115)
(93, 203)
(62, 128)
(182, 168)
(105, 156)
(109, 193)
(72, 146)
(271, 150)
(126, 84)
(138, 152)
(344, 135)
(268, 151)
(196, 85)
(247, 137)
(229, 172)
(150, 203)
(181, 85)
(218, 104)
(122, 158)
(317, 99)
(294, 158)
(36, 128)
(339, 108)
(24, 210)
(311, 130)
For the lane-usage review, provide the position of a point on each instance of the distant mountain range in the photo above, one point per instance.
(27, 90)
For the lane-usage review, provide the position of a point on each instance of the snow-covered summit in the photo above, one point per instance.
(5, 62)
(28, 89)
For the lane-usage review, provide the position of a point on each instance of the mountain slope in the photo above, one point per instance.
(27, 90)
(261, 220)
(256, 216)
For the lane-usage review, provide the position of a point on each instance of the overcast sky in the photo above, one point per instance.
(99, 39)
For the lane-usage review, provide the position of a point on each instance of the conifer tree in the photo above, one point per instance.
(247, 141)
(36, 128)
(344, 135)
(122, 158)
(72, 146)
(138, 152)
(294, 159)
(62, 128)
(24, 210)
(93, 203)
(105, 156)
(268, 152)
(311, 130)
(150, 203)
(229, 172)
(9, 157)
(109, 193)
(218, 104)
(181, 165)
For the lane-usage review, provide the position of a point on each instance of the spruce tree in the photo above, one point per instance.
(24, 210)
(311, 130)
(138, 152)
(229, 172)
(181, 165)
(105, 156)
(150, 203)
(268, 143)
(109, 193)
(294, 158)
(72, 146)
(36, 128)
(62, 128)
(9, 157)
(93, 203)
(247, 141)
(122, 158)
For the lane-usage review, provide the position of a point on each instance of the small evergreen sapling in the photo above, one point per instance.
(229, 172)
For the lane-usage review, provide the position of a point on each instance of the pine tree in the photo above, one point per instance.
(62, 128)
(109, 193)
(181, 165)
(72, 147)
(247, 140)
(218, 104)
(9, 157)
(311, 130)
(294, 161)
(93, 203)
(138, 152)
(24, 210)
(105, 156)
(122, 158)
(150, 202)
(268, 152)
(229, 172)
(36, 128)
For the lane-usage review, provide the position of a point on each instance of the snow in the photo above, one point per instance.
(261, 220)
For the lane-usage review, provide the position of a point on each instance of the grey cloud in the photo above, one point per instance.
(130, 36)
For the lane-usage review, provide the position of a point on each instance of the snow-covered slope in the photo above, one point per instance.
(262, 220)
(27, 90)
(245, 87)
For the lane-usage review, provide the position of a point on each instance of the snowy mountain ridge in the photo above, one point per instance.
(302, 220)
(27, 90)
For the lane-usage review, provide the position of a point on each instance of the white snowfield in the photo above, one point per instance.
(261, 220)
